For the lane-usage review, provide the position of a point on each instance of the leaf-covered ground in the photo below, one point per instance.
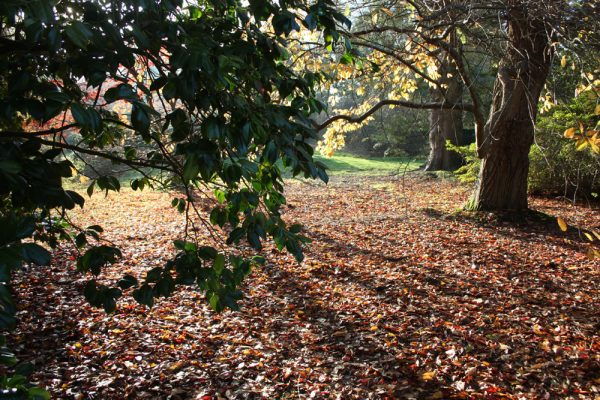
(400, 296)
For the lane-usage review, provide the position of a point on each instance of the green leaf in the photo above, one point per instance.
(220, 196)
(96, 257)
(185, 246)
(214, 302)
(140, 118)
(154, 274)
(90, 189)
(90, 292)
(42, 9)
(123, 91)
(75, 197)
(24, 369)
(36, 254)
(7, 358)
(80, 240)
(191, 169)
(108, 183)
(212, 128)
(144, 295)
(10, 258)
(218, 216)
(10, 166)
(219, 264)
(7, 322)
(207, 253)
(96, 228)
(80, 114)
(254, 240)
(236, 235)
(127, 282)
(79, 33)
(310, 22)
(36, 393)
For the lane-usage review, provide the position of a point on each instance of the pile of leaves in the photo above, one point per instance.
(399, 296)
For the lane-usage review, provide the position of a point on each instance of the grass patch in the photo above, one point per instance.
(338, 165)
(344, 164)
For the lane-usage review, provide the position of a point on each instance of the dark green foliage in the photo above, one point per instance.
(210, 96)
(222, 74)
(30, 186)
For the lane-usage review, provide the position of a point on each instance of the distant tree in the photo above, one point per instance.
(446, 124)
(389, 38)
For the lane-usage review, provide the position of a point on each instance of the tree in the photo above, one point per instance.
(503, 144)
(521, 36)
(406, 65)
(206, 86)
(446, 125)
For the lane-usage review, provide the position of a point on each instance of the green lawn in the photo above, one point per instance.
(339, 164)
(343, 164)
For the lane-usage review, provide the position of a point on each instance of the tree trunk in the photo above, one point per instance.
(509, 131)
(446, 124)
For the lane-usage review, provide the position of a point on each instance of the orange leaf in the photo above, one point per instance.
(387, 11)
(570, 133)
(427, 376)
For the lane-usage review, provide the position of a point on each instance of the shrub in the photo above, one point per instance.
(556, 166)
(469, 171)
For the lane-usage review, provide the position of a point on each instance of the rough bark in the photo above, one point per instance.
(508, 133)
(446, 124)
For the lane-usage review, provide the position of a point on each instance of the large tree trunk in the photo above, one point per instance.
(446, 124)
(508, 133)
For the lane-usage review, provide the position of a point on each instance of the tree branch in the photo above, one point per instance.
(54, 131)
(101, 154)
(422, 106)
(26, 135)
(398, 58)
(477, 105)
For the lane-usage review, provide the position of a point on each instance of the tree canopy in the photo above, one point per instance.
(205, 89)
(204, 86)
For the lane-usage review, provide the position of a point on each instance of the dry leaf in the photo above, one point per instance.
(427, 376)
(562, 224)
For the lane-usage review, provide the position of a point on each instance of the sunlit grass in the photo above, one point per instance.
(343, 163)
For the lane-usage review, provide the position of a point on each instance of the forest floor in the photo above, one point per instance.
(400, 296)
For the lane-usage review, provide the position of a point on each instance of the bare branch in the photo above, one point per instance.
(401, 103)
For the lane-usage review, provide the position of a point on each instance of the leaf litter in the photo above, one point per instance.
(400, 296)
